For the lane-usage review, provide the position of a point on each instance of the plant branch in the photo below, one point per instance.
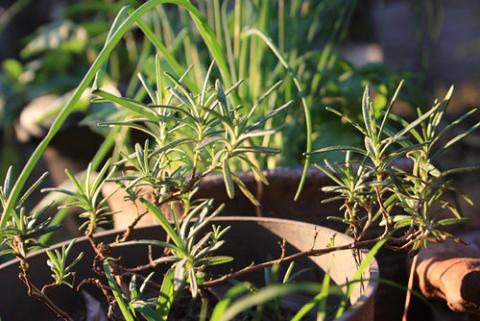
(408, 296)
(36, 293)
(287, 259)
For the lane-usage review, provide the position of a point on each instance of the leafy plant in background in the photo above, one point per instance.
(254, 34)
(53, 61)
(243, 50)
(253, 46)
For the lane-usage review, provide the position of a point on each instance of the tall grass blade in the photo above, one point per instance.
(306, 109)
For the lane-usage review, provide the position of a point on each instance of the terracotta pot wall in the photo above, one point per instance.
(249, 239)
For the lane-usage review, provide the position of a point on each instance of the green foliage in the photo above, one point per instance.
(225, 310)
(23, 229)
(62, 271)
(193, 134)
(120, 299)
(371, 186)
(88, 197)
(234, 115)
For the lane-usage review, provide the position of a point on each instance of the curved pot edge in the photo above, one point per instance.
(367, 296)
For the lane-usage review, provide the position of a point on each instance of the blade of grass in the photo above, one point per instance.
(268, 294)
(358, 275)
(117, 293)
(306, 109)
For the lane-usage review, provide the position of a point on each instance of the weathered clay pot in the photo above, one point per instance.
(249, 239)
(450, 272)
(277, 199)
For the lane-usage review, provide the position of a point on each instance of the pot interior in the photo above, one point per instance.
(249, 240)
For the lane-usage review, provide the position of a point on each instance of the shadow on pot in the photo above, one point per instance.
(249, 239)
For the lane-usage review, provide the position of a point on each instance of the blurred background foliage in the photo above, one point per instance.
(334, 47)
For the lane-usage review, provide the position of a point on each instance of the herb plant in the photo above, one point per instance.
(196, 127)
(374, 189)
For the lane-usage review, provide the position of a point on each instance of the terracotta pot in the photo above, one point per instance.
(450, 272)
(249, 239)
(276, 198)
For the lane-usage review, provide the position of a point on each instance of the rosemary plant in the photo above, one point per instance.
(375, 190)
(190, 135)
(195, 127)
(373, 186)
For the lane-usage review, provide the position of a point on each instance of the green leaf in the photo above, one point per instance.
(367, 117)
(347, 119)
(454, 123)
(456, 139)
(270, 115)
(161, 219)
(320, 300)
(452, 221)
(7, 183)
(267, 294)
(130, 104)
(411, 126)
(372, 151)
(193, 282)
(339, 149)
(256, 149)
(257, 133)
(222, 99)
(227, 178)
(245, 191)
(459, 170)
(169, 57)
(215, 260)
(167, 295)
(121, 16)
(156, 243)
(179, 275)
(117, 293)
(146, 310)
(224, 303)
(358, 275)
(389, 109)
(75, 182)
(31, 189)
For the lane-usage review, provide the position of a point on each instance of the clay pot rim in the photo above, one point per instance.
(290, 173)
(368, 292)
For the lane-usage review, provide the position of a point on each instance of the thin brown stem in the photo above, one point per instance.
(150, 265)
(36, 293)
(46, 287)
(287, 259)
(367, 225)
(96, 282)
(408, 296)
(383, 211)
(128, 232)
